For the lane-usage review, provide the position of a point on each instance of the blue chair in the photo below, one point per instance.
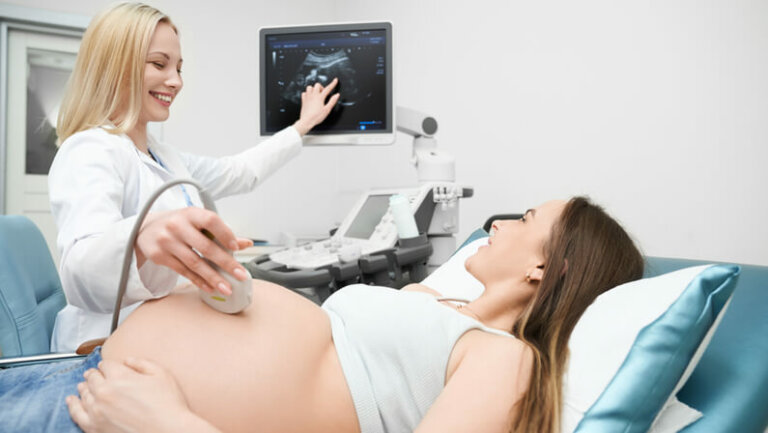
(30, 290)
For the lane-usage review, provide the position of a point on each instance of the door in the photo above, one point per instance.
(39, 66)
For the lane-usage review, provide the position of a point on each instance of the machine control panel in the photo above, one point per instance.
(367, 229)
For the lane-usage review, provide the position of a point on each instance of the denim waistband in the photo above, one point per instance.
(33, 397)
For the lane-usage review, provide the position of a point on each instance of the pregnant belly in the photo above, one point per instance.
(272, 367)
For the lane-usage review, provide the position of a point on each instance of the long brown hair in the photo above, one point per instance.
(587, 253)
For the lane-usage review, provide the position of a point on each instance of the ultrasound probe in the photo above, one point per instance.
(230, 304)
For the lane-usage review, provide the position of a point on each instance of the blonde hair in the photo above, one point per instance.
(106, 84)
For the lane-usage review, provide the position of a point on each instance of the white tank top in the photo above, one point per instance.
(404, 340)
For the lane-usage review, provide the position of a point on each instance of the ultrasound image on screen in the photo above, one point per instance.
(368, 218)
(357, 59)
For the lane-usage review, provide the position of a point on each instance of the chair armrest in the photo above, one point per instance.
(88, 346)
(82, 351)
(17, 361)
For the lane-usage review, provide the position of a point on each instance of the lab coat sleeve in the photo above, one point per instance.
(87, 185)
(241, 173)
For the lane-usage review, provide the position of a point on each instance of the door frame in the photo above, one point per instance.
(14, 17)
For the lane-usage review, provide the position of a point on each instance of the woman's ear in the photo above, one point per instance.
(535, 274)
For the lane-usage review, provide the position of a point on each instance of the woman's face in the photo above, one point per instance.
(162, 74)
(515, 247)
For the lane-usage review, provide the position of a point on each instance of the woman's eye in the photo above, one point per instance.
(522, 218)
(158, 65)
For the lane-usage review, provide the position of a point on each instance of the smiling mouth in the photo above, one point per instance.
(162, 97)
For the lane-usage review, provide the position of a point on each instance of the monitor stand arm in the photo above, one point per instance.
(431, 164)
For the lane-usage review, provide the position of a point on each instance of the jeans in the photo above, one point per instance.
(32, 397)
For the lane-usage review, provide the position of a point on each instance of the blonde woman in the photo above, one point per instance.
(128, 73)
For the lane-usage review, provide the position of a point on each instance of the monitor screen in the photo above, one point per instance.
(359, 55)
(368, 217)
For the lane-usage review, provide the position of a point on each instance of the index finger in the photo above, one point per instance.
(208, 220)
(330, 87)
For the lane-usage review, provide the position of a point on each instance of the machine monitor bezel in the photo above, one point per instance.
(374, 199)
(416, 195)
(382, 136)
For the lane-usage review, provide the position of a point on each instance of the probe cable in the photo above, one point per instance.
(128, 258)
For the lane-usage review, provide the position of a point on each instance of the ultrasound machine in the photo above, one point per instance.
(365, 247)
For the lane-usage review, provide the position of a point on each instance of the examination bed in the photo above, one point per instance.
(729, 385)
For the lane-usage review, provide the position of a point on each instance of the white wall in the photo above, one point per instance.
(657, 110)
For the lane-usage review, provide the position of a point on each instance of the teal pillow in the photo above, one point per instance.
(659, 358)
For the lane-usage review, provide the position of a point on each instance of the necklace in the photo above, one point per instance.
(464, 306)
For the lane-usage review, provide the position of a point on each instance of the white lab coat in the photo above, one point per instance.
(98, 183)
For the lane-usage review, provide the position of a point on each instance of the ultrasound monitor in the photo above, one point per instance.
(359, 55)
